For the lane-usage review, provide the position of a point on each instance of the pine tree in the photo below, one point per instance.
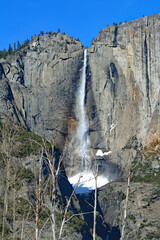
(18, 45)
(3, 53)
(10, 50)
(14, 47)
(26, 42)
(42, 33)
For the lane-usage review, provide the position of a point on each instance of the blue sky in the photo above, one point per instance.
(21, 19)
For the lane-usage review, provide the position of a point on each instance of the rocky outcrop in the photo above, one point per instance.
(8, 107)
(43, 79)
(124, 84)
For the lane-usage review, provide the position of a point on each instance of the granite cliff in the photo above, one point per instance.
(123, 84)
(41, 81)
(38, 88)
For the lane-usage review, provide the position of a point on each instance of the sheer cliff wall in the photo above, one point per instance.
(124, 83)
(39, 84)
(41, 81)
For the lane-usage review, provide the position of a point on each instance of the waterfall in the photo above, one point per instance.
(82, 128)
(78, 149)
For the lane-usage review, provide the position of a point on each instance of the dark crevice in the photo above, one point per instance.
(146, 66)
(20, 64)
(115, 37)
(150, 65)
(114, 81)
(86, 203)
(147, 22)
(115, 234)
(2, 73)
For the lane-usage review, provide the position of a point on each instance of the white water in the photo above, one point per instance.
(82, 129)
(79, 146)
(87, 182)
(78, 149)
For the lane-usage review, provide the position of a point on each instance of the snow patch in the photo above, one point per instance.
(87, 182)
(101, 154)
(107, 153)
(113, 126)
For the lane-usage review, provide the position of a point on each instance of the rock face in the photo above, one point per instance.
(38, 87)
(124, 84)
(123, 89)
(43, 79)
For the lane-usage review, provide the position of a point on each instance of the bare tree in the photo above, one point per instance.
(95, 172)
(9, 143)
(66, 209)
(50, 157)
(9, 135)
(38, 196)
(7, 139)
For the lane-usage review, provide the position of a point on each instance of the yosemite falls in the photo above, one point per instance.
(82, 128)
(77, 149)
(79, 145)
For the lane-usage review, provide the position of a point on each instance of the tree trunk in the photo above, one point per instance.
(95, 208)
(38, 189)
(6, 197)
(53, 221)
(14, 207)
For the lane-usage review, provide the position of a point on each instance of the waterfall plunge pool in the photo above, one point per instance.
(86, 181)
